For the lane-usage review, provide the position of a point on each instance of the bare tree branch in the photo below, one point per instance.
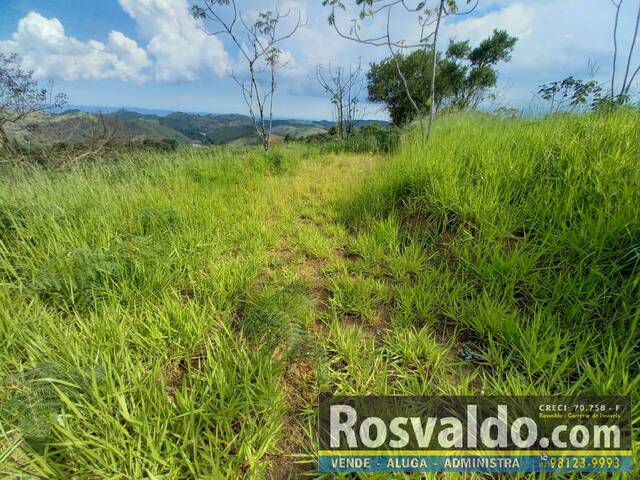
(626, 86)
(615, 47)
(261, 53)
(432, 107)
(21, 98)
(426, 18)
(344, 89)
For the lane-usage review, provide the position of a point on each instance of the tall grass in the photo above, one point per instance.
(533, 233)
(175, 315)
(120, 285)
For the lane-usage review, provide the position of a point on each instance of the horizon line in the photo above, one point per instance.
(164, 112)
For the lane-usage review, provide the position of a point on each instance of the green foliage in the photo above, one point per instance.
(138, 265)
(74, 279)
(278, 319)
(463, 76)
(221, 290)
(368, 139)
(164, 145)
(359, 296)
(384, 86)
(570, 94)
(32, 400)
(532, 226)
(275, 159)
(158, 221)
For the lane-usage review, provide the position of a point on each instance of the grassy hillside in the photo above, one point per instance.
(210, 129)
(176, 315)
(533, 230)
(75, 126)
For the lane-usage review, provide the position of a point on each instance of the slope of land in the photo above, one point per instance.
(75, 125)
(176, 315)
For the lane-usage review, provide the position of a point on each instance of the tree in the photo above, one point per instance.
(621, 94)
(481, 65)
(262, 55)
(385, 86)
(464, 76)
(429, 22)
(470, 72)
(21, 97)
(570, 94)
(344, 88)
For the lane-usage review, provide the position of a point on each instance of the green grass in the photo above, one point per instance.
(175, 315)
(532, 230)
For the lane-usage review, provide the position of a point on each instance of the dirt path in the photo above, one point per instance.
(356, 346)
(312, 243)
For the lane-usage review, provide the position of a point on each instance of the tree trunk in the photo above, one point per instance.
(265, 138)
(615, 52)
(6, 143)
(432, 107)
(626, 86)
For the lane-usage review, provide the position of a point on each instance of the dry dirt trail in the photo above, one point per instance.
(358, 347)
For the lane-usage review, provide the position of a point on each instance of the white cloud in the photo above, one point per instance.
(556, 38)
(516, 18)
(182, 52)
(177, 49)
(51, 54)
(551, 34)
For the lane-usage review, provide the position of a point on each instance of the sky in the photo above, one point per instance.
(152, 54)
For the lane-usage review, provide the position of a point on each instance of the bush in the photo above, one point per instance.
(372, 138)
(275, 159)
(164, 145)
(76, 279)
(278, 319)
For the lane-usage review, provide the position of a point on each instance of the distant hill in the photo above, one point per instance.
(76, 124)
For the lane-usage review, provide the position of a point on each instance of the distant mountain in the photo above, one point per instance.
(210, 129)
(77, 124)
(107, 110)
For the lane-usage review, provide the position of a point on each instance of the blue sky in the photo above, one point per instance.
(149, 54)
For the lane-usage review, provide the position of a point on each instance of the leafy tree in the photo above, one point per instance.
(21, 97)
(384, 85)
(570, 94)
(472, 71)
(464, 75)
(429, 21)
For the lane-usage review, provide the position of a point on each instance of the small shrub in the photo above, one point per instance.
(158, 220)
(30, 400)
(369, 139)
(74, 280)
(164, 145)
(278, 320)
(275, 159)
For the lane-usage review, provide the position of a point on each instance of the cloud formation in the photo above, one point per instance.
(181, 51)
(556, 38)
(176, 51)
(51, 54)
